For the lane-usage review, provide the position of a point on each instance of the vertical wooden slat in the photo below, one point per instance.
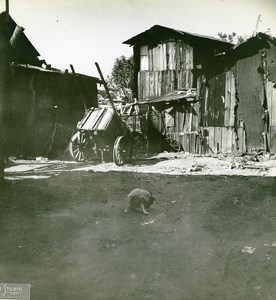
(161, 60)
(177, 58)
(155, 79)
(233, 99)
(196, 109)
(218, 139)
(164, 46)
(159, 83)
(147, 86)
(151, 85)
(273, 139)
(227, 99)
(273, 99)
(211, 139)
(150, 62)
(241, 140)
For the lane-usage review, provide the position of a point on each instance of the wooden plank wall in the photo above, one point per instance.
(271, 107)
(230, 99)
(218, 140)
(216, 102)
(170, 68)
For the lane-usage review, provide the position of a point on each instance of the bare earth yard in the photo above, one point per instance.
(210, 235)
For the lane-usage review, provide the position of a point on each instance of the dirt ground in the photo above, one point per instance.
(210, 234)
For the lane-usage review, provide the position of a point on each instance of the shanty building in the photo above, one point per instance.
(209, 95)
(238, 98)
(42, 104)
(164, 64)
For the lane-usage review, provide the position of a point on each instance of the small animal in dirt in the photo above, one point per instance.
(140, 200)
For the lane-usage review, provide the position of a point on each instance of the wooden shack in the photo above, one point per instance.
(238, 98)
(228, 93)
(42, 104)
(164, 62)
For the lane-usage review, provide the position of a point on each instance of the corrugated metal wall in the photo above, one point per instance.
(250, 93)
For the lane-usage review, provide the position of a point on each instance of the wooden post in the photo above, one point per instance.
(106, 89)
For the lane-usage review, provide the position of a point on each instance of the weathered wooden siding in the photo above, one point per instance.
(169, 68)
(232, 106)
(271, 107)
(215, 100)
(230, 99)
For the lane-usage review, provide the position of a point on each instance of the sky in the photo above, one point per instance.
(82, 32)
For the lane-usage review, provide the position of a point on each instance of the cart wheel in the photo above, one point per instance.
(121, 151)
(174, 145)
(78, 147)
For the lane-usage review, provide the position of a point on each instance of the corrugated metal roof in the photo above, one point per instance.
(188, 95)
(157, 32)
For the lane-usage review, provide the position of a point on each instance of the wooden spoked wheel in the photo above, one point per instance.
(78, 147)
(173, 144)
(121, 150)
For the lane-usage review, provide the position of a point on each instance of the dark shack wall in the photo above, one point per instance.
(217, 114)
(213, 101)
(250, 96)
(43, 110)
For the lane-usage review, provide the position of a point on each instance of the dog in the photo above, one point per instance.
(139, 199)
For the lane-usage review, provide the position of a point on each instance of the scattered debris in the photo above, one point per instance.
(196, 168)
(40, 158)
(248, 249)
(149, 222)
(273, 245)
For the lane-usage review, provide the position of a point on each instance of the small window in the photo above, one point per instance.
(144, 60)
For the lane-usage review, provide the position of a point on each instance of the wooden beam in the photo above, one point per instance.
(106, 89)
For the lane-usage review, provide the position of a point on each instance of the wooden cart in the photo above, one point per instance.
(101, 134)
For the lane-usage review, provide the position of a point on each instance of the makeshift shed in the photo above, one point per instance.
(238, 98)
(43, 109)
(42, 105)
(233, 108)
(164, 62)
